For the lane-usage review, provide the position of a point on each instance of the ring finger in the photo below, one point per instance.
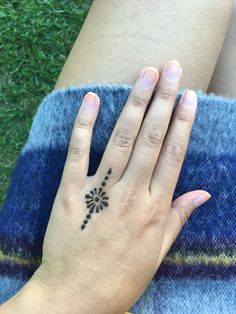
(173, 151)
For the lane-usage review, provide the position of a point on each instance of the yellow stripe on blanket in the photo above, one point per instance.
(175, 259)
(193, 259)
(19, 260)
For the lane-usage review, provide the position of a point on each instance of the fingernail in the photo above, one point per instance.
(89, 101)
(201, 199)
(172, 71)
(149, 77)
(190, 98)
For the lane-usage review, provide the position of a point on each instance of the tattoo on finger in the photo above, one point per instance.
(96, 200)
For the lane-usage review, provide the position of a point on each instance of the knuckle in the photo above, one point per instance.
(183, 217)
(174, 153)
(153, 135)
(183, 117)
(167, 94)
(76, 153)
(138, 101)
(64, 196)
(82, 123)
(157, 217)
(127, 206)
(155, 220)
(66, 202)
(123, 139)
(128, 202)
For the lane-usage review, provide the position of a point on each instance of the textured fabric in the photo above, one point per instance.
(199, 273)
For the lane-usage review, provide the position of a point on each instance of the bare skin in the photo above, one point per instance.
(120, 37)
(203, 27)
(224, 77)
(106, 266)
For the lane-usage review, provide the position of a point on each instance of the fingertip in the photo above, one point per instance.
(96, 97)
(190, 98)
(92, 97)
(90, 102)
(148, 78)
(208, 194)
(152, 68)
(201, 198)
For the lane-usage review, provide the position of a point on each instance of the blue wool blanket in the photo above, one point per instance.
(198, 274)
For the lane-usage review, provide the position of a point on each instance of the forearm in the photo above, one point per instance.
(27, 300)
(32, 299)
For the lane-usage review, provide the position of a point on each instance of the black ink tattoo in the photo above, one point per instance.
(96, 200)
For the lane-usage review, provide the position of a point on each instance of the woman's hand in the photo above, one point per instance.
(108, 233)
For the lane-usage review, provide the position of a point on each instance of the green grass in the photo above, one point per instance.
(35, 39)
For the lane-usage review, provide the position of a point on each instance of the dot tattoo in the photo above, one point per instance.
(96, 200)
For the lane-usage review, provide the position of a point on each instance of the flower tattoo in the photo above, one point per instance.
(96, 200)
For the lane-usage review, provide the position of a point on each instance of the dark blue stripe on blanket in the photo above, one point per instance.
(37, 177)
(165, 270)
(196, 271)
(17, 271)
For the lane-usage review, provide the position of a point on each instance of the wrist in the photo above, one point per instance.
(36, 297)
(65, 295)
(27, 300)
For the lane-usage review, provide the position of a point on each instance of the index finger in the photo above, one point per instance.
(77, 161)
